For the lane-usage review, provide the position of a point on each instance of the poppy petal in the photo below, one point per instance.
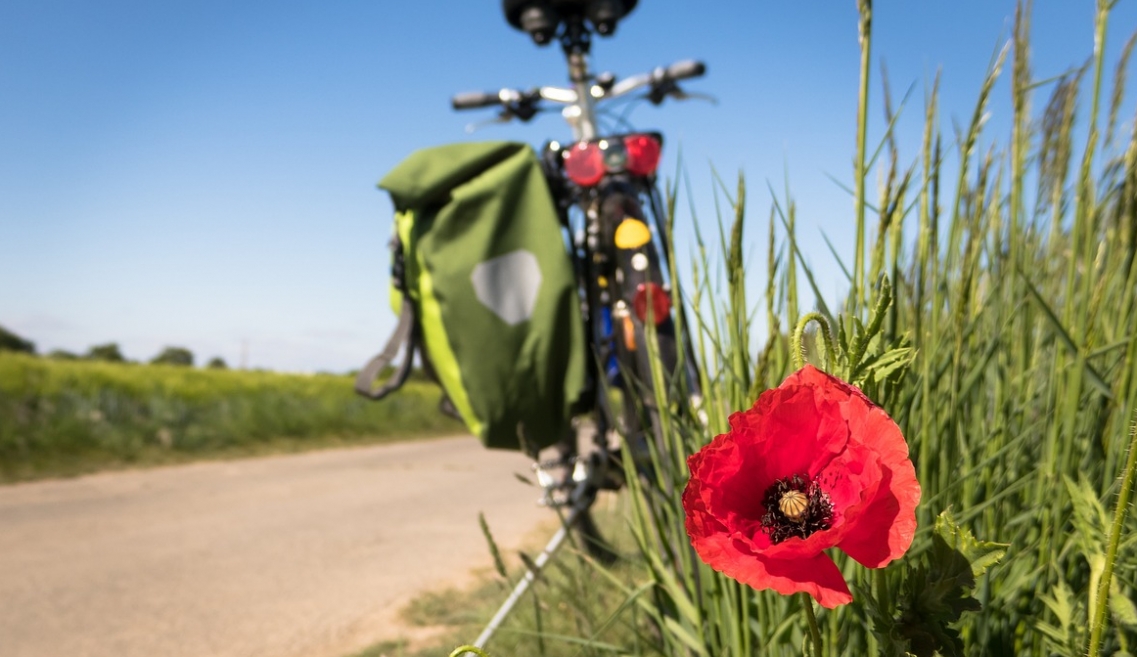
(889, 523)
(816, 575)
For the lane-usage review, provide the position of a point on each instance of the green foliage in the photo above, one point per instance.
(998, 327)
(1067, 633)
(935, 593)
(217, 363)
(9, 341)
(108, 352)
(174, 356)
(65, 417)
(499, 564)
(1090, 523)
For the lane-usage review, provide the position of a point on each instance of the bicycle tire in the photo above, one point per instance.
(580, 496)
(592, 539)
(614, 286)
(633, 267)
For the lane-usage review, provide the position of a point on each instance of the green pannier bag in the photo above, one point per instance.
(485, 292)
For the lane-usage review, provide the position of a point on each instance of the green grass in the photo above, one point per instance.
(1001, 335)
(567, 611)
(62, 418)
(992, 311)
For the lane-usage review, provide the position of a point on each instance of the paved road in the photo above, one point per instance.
(299, 555)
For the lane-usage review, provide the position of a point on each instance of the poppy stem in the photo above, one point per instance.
(1098, 617)
(811, 618)
(826, 338)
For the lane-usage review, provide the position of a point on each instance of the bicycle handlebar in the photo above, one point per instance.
(688, 68)
(661, 80)
(474, 100)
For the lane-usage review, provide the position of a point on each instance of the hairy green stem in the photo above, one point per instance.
(1097, 623)
(864, 34)
(799, 334)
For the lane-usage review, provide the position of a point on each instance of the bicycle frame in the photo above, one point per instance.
(593, 253)
(582, 99)
(599, 262)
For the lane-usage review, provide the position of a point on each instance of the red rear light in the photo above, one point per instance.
(584, 164)
(659, 299)
(643, 154)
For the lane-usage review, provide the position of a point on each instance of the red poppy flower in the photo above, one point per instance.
(813, 465)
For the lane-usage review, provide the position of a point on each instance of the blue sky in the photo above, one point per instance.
(202, 174)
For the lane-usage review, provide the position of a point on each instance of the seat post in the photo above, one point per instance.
(576, 41)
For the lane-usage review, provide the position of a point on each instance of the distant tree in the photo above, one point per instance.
(217, 363)
(9, 341)
(62, 354)
(174, 356)
(108, 352)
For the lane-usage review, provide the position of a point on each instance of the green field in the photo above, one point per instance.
(68, 417)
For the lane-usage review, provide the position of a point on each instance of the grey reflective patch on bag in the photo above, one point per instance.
(508, 285)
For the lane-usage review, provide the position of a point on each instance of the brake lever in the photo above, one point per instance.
(504, 117)
(679, 94)
(664, 89)
(522, 111)
(661, 90)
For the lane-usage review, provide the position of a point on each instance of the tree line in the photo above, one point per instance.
(109, 352)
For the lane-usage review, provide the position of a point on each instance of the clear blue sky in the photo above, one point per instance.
(202, 174)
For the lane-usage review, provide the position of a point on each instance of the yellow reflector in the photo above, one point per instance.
(632, 234)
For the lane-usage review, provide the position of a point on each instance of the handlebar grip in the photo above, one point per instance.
(474, 100)
(688, 68)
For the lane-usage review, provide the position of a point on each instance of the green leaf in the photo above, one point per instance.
(1090, 521)
(1061, 603)
(1090, 518)
(883, 366)
(1123, 609)
(1069, 633)
(1063, 335)
(980, 554)
(937, 591)
(684, 635)
(1052, 632)
(678, 593)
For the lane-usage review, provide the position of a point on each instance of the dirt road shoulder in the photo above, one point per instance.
(309, 554)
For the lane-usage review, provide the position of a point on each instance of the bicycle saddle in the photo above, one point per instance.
(537, 16)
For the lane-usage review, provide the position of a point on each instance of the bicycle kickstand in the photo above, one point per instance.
(582, 501)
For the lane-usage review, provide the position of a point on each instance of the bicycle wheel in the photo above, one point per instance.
(591, 538)
(640, 297)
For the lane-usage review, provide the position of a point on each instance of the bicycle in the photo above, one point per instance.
(602, 183)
